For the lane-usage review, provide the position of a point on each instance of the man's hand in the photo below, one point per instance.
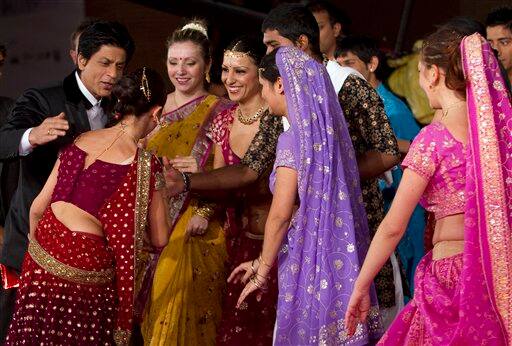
(49, 130)
(173, 179)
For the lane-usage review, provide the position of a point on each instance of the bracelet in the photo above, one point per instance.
(186, 181)
(260, 285)
(263, 262)
(204, 212)
(261, 276)
(252, 267)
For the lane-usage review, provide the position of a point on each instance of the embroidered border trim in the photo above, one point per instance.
(66, 272)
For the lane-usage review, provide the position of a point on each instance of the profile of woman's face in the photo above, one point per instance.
(186, 66)
(240, 77)
(275, 99)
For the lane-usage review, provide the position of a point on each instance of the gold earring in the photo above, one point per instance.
(207, 77)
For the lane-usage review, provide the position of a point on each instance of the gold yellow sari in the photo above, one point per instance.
(185, 307)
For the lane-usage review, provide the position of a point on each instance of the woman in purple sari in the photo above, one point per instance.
(323, 244)
(460, 167)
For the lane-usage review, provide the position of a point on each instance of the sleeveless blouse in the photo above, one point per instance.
(87, 188)
(441, 159)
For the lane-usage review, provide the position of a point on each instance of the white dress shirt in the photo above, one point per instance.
(96, 115)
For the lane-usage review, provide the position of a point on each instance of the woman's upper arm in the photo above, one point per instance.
(159, 227)
(411, 188)
(218, 159)
(285, 193)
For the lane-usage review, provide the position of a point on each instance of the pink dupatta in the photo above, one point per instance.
(487, 271)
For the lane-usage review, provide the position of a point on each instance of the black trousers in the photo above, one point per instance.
(7, 299)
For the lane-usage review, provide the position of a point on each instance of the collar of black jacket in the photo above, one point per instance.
(74, 95)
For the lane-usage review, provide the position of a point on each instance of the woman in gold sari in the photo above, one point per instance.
(190, 276)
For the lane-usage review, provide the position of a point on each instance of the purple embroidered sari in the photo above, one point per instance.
(328, 237)
(467, 298)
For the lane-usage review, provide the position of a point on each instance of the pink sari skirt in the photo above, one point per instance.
(66, 294)
(432, 316)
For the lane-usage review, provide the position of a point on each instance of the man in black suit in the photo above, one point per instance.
(9, 169)
(44, 120)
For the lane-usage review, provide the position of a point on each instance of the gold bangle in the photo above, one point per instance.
(260, 285)
(204, 212)
(263, 262)
(252, 267)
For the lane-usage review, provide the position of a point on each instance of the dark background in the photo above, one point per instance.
(37, 32)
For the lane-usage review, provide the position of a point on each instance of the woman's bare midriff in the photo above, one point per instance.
(76, 219)
(448, 237)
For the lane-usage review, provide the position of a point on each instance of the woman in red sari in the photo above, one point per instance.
(92, 227)
(233, 132)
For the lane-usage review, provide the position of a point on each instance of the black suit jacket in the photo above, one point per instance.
(29, 111)
(9, 168)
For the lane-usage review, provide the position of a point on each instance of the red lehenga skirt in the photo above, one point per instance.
(253, 323)
(66, 294)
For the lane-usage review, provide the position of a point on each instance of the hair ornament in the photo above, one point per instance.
(197, 27)
(144, 85)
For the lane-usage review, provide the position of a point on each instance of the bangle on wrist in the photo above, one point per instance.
(204, 212)
(263, 262)
(186, 181)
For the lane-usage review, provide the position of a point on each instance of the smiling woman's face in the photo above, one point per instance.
(186, 67)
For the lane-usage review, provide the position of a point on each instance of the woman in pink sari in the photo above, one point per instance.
(460, 168)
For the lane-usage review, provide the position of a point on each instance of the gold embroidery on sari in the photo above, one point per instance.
(122, 337)
(67, 272)
(492, 184)
(141, 212)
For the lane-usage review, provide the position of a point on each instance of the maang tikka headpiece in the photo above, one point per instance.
(234, 54)
(144, 85)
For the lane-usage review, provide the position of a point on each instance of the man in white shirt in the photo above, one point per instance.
(42, 122)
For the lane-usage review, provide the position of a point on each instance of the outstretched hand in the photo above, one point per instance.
(357, 310)
(242, 274)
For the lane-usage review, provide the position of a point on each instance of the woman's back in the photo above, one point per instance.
(439, 157)
(90, 170)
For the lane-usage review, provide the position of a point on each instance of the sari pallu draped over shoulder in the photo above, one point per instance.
(328, 236)
(466, 299)
(124, 219)
(488, 212)
(191, 121)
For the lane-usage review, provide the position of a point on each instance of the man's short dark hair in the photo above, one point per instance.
(364, 48)
(78, 31)
(465, 26)
(500, 16)
(291, 21)
(335, 14)
(105, 33)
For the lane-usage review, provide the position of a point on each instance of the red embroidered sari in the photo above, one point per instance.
(255, 319)
(78, 288)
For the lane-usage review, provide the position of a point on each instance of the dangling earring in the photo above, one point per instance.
(207, 77)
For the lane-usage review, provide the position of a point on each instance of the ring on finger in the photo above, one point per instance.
(50, 132)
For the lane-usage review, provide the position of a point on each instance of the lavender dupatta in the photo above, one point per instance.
(328, 237)
(488, 214)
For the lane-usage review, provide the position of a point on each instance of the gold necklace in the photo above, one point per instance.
(248, 120)
(445, 111)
